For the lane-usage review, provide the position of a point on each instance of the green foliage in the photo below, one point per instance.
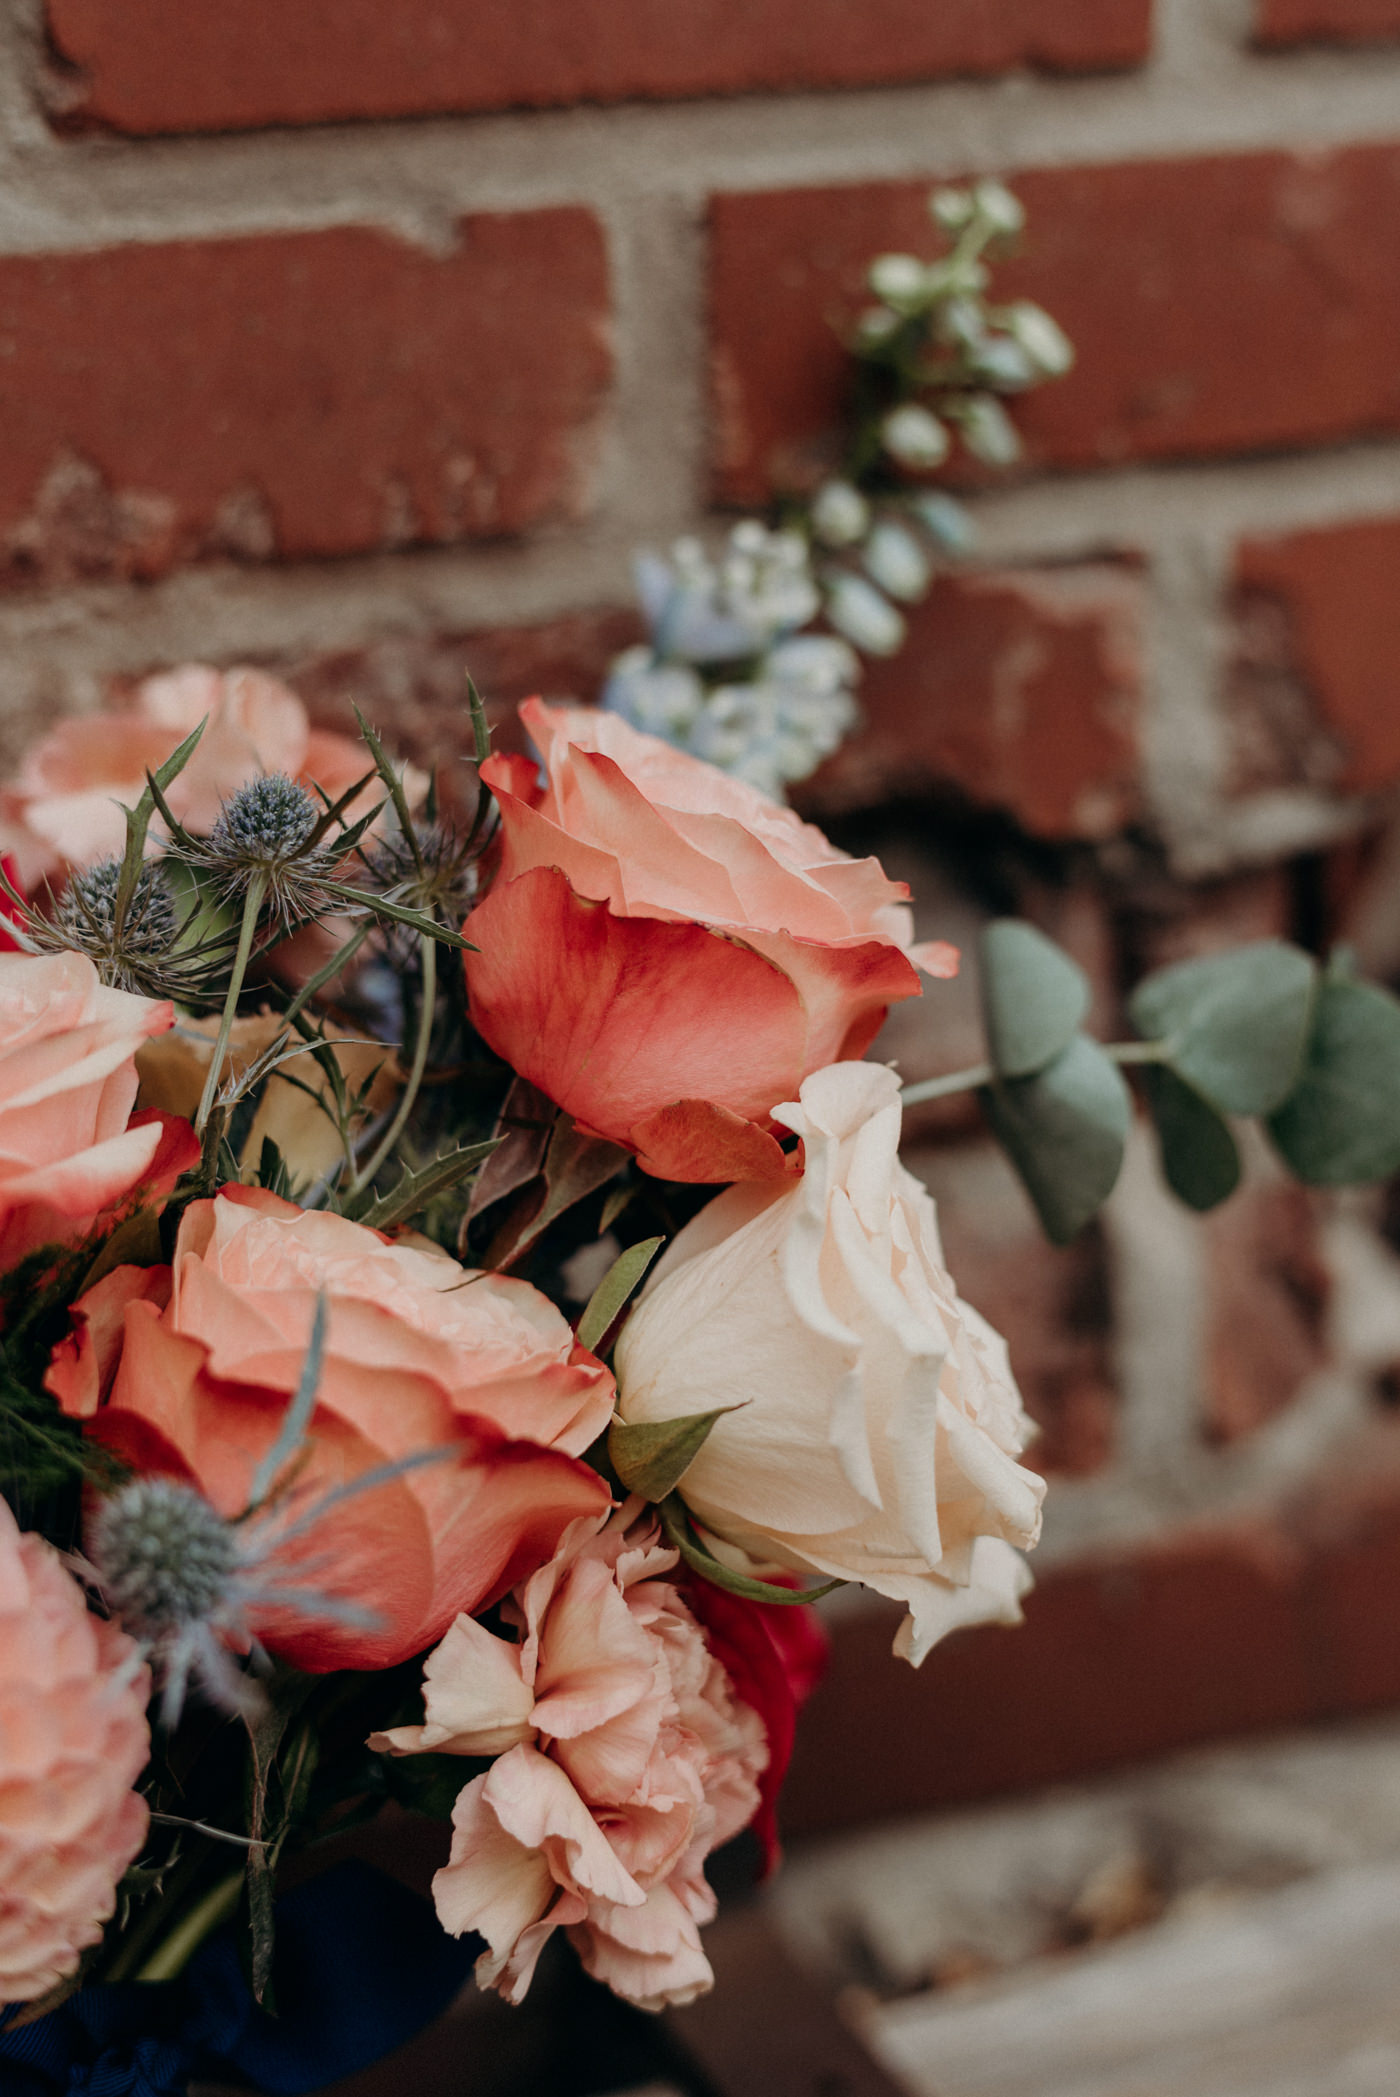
(613, 1291)
(1233, 1024)
(1064, 1130)
(676, 1523)
(1200, 1158)
(651, 1457)
(1034, 998)
(1341, 1123)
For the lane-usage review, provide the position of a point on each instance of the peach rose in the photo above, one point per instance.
(73, 1741)
(420, 1355)
(62, 808)
(878, 1424)
(68, 1149)
(666, 953)
(624, 1759)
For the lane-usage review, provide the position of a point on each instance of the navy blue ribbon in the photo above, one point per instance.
(362, 1964)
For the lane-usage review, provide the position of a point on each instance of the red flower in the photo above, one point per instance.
(667, 954)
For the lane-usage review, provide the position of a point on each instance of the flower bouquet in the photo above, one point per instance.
(460, 1301)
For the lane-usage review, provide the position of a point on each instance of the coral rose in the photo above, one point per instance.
(878, 1424)
(666, 953)
(419, 1356)
(68, 1149)
(625, 1758)
(62, 808)
(73, 1740)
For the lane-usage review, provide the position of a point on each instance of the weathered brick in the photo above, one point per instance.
(299, 394)
(1019, 689)
(1317, 642)
(1051, 1306)
(415, 684)
(147, 66)
(1281, 22)
(1229, 1628)
(1221, 304)
(1267, 1296)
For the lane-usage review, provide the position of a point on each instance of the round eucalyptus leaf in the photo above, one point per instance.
(1341, 1124)
(1034, 997)
(1236, 1023)
(1064, 1131)
(1199, 1157)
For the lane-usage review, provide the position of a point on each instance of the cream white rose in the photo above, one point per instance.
(880, 1426)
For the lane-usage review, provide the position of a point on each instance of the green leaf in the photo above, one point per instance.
(1064, 1131)
(397, 913)
(1341, 1124)
(1199, 1155)
(1235, 1024)
(416, 1189)
(297, 1418)
(138, 819)
(676, 1523)
(613, 1290)
(652, 1456)
(1034, 997)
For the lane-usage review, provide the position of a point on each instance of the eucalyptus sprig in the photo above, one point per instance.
(1260, 1032)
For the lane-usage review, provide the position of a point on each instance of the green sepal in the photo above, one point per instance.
(1034, 998)
(1234, 1025)
(612, 1292)
(651, 1457)
(1064, 1131)
(1200, 1159)
(676, 1523)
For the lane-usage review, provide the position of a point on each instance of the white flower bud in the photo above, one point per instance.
(914, 437)
(946, 522)
(963, 320)
(901, 281)
(876, 325)
(1043, 339)
(1004, 363)
(865, 617)
(840, 514)
(951, 209)
(898, 563)
(1000, 210)
(988, 431)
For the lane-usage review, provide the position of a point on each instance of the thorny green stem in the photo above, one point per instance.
(340, 959)
(426, 1005)
(979, 1074)
(252, 907)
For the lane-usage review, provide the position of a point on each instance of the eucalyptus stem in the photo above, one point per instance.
(426, 1007)
(978, 1074)
(252, 908)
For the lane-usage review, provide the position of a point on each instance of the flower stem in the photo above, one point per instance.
(170, 1958)
(252, 907)
(426, 1006)
(978, 1074)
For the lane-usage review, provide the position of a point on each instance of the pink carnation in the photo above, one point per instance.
(624, 1758)
(73, 1740)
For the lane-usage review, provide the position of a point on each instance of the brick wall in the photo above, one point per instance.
(368, 341)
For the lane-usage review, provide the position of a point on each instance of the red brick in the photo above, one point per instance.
(1224, 304)
(147, 66)
(414, 685)
(1317, 644)
(1229, 1629)
(1281, 22)
(300, 394)
(1050, 1305)
(1267, 1294)
(1020, 690)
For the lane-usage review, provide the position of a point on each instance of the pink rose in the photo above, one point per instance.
(62, 808)
(73, 1741)
(624, 1759)
(420, 1355)
(666, 953)
(69, 1150)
